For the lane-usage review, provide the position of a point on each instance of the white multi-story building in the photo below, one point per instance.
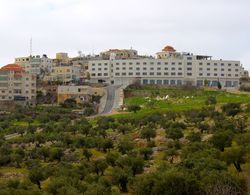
(169, 68)
(16, 84)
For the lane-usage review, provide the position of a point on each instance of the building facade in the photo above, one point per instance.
(35, 64)
(66, 74)
(17, 85)
(119, 54)
(169, 68)
(78, 93)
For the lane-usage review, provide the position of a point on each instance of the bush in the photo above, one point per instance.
(211, 100)
(134, 108)
(231, 109)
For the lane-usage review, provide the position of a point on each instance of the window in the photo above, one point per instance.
(229, 64)
(236, 64)
(236, 75)
(117, 63)
(208, 74)
(200, 69)
(158, 63)
(208, 69)
(144, 73)
(152, 82)
(152, 63)
(215, 64)
(189, 69)
(130, 63)
(200, 74)
(105, 64)
(158, 68)
(151, 73)
(222, 64)
(189, 63)
(130, 73)
(137, 73)
(93, 74)
(165, 68)
(137, 68)
(189, 58)
(179, 82)
(229, 70)
(189, 74)
(173, 73)
(105, 74)
(144, 68)
(124, 63)
(179, 73)
(179, 68)
(130, 68)
(180, 63)
(93, 64)
(172, 82)
(173, 63)
(166, 73)
(117, 74)
(222, 69)
(166, 63)
(208, 64)
(159, 82)
(172, 68)
(166, 82)
(144, 63)
(236, 70)
(99, 74)
(158, 73)
(99, 69)
(93, 69)
(215, 69)
(215, 74)
(151, 68)
(145, 81)
(222, 75)
(124, 74)
(137, 63)
(200, 63)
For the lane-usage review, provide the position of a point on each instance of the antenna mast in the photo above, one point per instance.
(31, 46)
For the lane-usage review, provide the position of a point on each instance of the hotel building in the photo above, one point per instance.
(169, 68)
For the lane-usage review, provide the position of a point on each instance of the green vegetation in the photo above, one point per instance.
(177, 145)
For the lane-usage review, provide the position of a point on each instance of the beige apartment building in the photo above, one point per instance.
(17, 85)
(65, 74)
(119, 54)
(168, 68)
(78, 93)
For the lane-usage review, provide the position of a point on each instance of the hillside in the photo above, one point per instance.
(176, 141)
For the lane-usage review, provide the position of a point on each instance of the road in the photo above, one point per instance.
(110, 99)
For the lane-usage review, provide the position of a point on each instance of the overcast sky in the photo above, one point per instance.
(220, 28)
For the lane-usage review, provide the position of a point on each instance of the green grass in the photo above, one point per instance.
(178, 100)
(13, 170)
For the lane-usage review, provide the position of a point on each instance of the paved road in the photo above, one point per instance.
(110, 99)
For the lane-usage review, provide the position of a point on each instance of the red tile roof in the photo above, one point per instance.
(12, 67)
(169, 49)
